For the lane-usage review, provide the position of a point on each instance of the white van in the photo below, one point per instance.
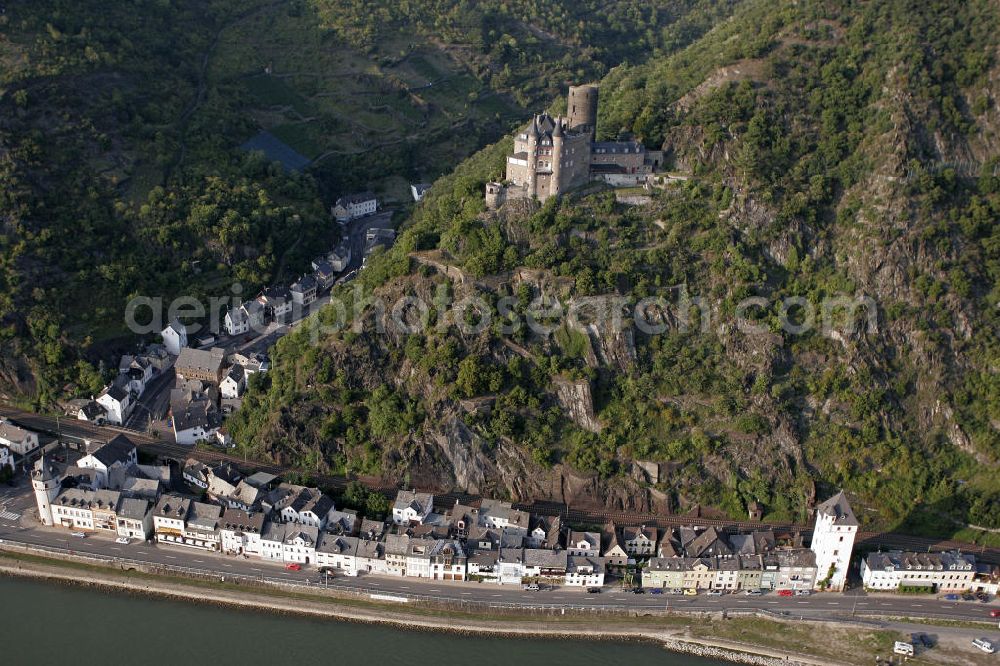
(903, 648)
(984, 645)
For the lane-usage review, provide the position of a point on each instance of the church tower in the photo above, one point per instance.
(833, 542)
(46, 487)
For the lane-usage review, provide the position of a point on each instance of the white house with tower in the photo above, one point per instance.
(833, 542)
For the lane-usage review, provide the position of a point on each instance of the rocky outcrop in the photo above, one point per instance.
(577, 402)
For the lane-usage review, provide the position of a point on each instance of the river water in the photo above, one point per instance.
(45, 623)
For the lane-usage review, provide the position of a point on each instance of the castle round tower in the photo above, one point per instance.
(581, 105)
(46, 486)
(555, 186)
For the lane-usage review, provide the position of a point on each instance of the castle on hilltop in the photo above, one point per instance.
(554, 155)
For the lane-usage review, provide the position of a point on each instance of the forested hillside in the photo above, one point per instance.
(120, 172)
(832, 149)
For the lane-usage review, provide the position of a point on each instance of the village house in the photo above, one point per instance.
(397, 547)
(584, 572)
(411, 507)
(339, 552)
(300, 505)
(120, 452)
(353, 206)
(169, 518)
(699, 573)
(90, 411)
(116, 402)
(496, 513)
(447, 560)
(299, 543)
(584, 544)
(174, 337)
(135, 518)
(304, 291)
(239, 532)
(251, 364)
(664, 573)
(932, 572)
(272, 541)
(277, 303)
(419, 190)
(547, 565)
(545, 532)
(194, 416)
(341, 521)
(19, 441)
(234, 383)
(370, 557)
(92, 510)
(613, 552)
(639, 541)
(326, 273)
(6, 458)
(203, 365)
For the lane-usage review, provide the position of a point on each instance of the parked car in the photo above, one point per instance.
(656, 590)
(715, 593)
(952, 597)
(690, 592)
(638, 590)
(293, 567)
(966, 596)
(983, 597)
(803, 593)
(984, 645)
(593, 590)
(676, 590)
(785, 593)
(79, 535)
(903, 648)
(532, 587)
(995, 612)
(122, 540)
(752, 593)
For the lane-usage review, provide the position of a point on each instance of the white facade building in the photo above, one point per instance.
(948, 571)
(411, 507)
(833, 542)
(19, 440)
(117, 402)
(174, 337)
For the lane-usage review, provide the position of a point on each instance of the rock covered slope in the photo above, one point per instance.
(833, 151)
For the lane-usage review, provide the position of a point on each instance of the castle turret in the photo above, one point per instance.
(533, 135)
(556, 186)
(46, 486)
(581, 104)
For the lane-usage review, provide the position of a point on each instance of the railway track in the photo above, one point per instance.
(67, 427)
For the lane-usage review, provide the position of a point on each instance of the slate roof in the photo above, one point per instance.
(133, 508)
(839, 509)
(117, 450)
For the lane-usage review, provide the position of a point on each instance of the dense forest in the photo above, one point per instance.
(831, 149)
